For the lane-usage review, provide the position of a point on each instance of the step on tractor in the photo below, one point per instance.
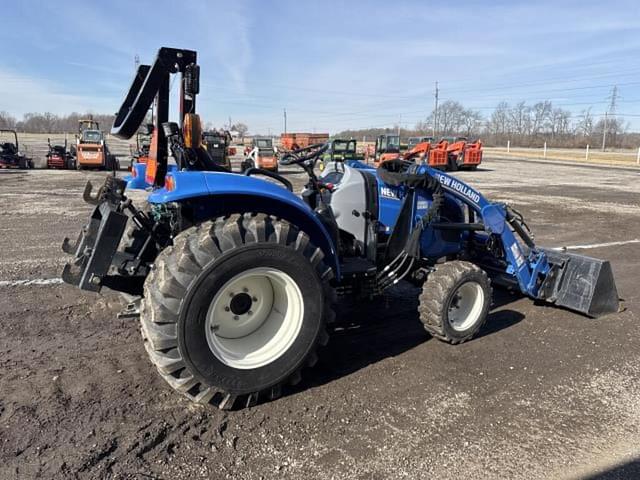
(60, 156)
(261, 154)
(91, 148)
(10, 155)
(234, 278)
(387, 147)
(218, 144)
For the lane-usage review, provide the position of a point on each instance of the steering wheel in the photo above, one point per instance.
(296, 157)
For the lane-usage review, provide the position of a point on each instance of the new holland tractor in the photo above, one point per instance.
(234, 277)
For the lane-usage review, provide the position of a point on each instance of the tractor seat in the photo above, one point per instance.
(9, 148)
(206, 161)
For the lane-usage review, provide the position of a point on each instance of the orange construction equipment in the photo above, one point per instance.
(464, 155)
(144, 138)
(473, 155)
(261, 154)
(438, 156)
(91, 149)
(418, 153)
(455, 152)
(294, 141)
(387, 148)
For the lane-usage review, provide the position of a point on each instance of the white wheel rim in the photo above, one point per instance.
(466, 306)
(254, 318)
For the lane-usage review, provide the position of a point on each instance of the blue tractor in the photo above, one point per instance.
(234, 276)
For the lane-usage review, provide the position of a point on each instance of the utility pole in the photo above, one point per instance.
(435, 113)
(610, 110)
(399, 127)
(285, 121)
(230, 124)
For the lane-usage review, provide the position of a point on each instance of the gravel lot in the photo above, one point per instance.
(542, 393)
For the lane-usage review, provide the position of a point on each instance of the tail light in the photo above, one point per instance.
(152, 167)
(169, 183)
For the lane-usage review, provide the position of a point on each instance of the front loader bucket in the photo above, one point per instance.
(580, 283)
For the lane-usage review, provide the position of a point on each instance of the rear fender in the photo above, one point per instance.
(212, 194)
(136, 179)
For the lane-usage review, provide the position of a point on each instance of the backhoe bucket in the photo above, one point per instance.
(580, 283)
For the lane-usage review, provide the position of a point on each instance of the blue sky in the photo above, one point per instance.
(332, 65)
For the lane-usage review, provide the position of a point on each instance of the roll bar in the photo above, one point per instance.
(152, 82)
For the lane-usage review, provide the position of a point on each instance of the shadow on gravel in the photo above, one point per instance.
(623, 471)
(479, 169)
(371, 331)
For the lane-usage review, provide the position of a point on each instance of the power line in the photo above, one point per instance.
(611, 111)
(435, 112)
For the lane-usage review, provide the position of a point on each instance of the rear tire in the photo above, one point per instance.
(235, 309)
(455, 301)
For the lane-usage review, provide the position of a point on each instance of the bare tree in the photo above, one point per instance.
(584, 126)
(497, 124)
(540, 116)
(519, 119)
(241, 128)
(616, 127)
(559, 122)
(472, 122)
(7, 120)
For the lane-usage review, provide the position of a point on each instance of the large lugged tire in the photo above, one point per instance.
(455, 301)
(236, 308)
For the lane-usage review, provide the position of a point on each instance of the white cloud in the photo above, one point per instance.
(22, 94)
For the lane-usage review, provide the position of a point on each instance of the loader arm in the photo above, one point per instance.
(573, 281)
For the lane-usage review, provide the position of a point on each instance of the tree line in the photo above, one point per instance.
(51, 123)
(48, 122)
(522, 124)
(525, 125)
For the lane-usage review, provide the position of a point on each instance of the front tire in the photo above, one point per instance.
(236, 309)
(455, 301)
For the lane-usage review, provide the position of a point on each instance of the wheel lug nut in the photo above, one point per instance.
(236, 317)
(231, 294)
(250, 312)
(245, 289)
(254, 299)
(226, 309)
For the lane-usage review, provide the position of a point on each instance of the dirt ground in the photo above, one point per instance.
(541, 393)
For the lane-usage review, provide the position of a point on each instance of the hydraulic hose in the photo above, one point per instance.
(402, 173)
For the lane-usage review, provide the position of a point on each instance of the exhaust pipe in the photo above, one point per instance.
(580, 283)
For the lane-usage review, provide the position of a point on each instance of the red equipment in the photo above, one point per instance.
(473, 155)
(438, 156)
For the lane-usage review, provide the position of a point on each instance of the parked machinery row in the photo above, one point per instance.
(449, 153)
